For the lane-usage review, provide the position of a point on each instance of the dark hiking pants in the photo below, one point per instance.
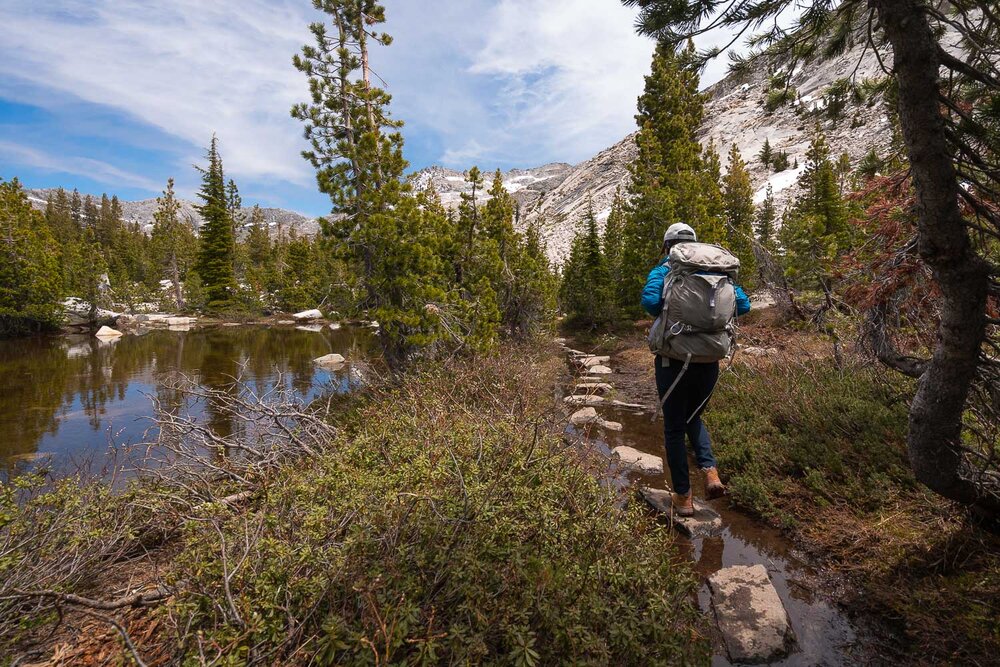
(682, 416)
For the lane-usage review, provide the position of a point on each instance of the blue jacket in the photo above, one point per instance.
(652, 293)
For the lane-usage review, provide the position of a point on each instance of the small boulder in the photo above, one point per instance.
(108, 333)
(584, 417)
(610, 425)
(308, 315)
(751, 617)
(633, 459)
(588, 362)
(584, 400)
(599, 370)
(330, 361)
(628, 406)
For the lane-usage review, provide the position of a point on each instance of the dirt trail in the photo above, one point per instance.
(824, 634)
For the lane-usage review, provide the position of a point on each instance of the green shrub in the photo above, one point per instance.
(450, 527)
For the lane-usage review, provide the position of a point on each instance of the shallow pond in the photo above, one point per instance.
(66, 399)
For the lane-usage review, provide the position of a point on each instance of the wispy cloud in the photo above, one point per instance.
(69, 164)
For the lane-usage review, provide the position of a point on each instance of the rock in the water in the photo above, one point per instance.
(308, 315)
(312, 328)
(751, 617)
(180, 321)
(628, 406)
(588, 362)
(335, 326)
(593, 388)
(589, 416)
(330, 361)
(584, 400)
(584, 417)
(633, 459)
(108, 332)
(706, 522)
(599, 370)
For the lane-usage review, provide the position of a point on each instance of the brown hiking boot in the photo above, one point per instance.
(714, 488)
(682, 505)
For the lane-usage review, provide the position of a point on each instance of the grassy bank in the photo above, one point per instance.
(821, 451)
(444, 522)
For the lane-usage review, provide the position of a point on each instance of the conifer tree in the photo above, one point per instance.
(711, 223)
(216, 253)
(614, 244)
(766, 154)
(586, 293)
(738, 197)
(356, 149)
(815, 230)
(173, 242)
(766, 218)
(29, 270)
(670, 181)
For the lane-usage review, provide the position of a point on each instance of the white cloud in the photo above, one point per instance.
(69, 164)
(187, 67)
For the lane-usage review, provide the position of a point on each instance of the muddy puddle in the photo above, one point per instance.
(824, 634)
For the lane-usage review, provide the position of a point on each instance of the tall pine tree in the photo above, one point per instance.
(586, 292)
(216, 253)
(738, 198)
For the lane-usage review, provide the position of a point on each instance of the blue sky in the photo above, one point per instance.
(119, 95)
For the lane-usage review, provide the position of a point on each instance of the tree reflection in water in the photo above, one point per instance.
(66, 396)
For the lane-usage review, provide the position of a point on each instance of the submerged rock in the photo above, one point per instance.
(753, 621)
(706, 522)
(633, 459)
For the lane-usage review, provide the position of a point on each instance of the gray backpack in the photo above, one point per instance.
(699, 307)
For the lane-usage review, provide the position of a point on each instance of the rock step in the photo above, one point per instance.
(593, 388)
(589, 401)
(706, 522)
(754, 623)
(590, 361)
(628, 406)
(599, 370)
(633, 459)
(589, 416)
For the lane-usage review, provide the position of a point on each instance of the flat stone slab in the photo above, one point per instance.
(588, 416)
(706, 522)
(593, 388)
(587, 362)
(753, 621)
(599, 370)
(633, 459)
(628, 406)
(589, 401)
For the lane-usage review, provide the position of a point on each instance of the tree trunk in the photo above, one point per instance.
(935, 427)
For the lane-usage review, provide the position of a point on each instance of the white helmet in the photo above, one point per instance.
(679, 232)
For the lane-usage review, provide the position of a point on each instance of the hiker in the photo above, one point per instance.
(695, 298)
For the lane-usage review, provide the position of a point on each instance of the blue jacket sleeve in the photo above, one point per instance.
(742, 301)
(652, 293)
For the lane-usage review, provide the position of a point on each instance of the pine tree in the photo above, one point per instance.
(738, 199)
(766, 154)
(815, 230)
(614, 245)
(215, 256)
(670, 181)
(766, 218)
(173, 242)
(356, 150)
(29, 265)
(586, 292)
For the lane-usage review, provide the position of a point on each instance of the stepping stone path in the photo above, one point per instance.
(706, 522)
(638, 461)
(753, 621)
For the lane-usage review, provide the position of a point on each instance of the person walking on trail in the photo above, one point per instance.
(695, 297)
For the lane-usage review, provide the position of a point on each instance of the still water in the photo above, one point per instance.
(65, 400)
